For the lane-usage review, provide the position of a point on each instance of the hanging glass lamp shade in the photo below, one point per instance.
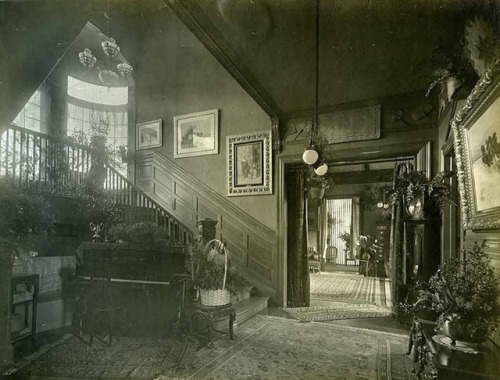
(108, 77)
(125, 69)
(87, 59)
(110, 47)
(321, 169)
(310, 156)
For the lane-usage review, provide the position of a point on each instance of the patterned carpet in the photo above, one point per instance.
(266, 348)
(338, 286)
(338, 311)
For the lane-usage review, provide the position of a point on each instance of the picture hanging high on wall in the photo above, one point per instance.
(249, 164)
(477, 150)
(196, 134)
(149, 134)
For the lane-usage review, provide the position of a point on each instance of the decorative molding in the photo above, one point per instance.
(189, 200)
(275, 128)
(193, 17)
(356, 124)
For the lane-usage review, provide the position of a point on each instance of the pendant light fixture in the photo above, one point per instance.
(311, 156)
(107, 74)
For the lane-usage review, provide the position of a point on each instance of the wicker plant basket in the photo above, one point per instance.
(219, 297)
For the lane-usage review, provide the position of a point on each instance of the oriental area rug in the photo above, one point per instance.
(338, 286)
(266, 348)
(338, 311)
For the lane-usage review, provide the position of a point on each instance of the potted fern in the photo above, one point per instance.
(212, 274)
(421, 196)
(318, 185)
(463, 293)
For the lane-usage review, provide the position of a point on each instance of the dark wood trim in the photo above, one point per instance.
(191, 14)
(199, 187)
(447, 147)
(371, 176)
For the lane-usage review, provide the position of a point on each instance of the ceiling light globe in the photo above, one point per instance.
(386, 206)
(310, 156)
(322, 169)
(380, 204)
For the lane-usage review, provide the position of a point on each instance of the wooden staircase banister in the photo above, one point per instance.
(56, 164)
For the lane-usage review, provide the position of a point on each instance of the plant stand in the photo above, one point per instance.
(209, 314)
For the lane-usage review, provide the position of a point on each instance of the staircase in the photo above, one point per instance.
(57, 166)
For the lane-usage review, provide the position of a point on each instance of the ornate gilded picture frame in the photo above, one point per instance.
(476, 132)
(249, 164)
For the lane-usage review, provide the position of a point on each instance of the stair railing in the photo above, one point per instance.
(55, 165)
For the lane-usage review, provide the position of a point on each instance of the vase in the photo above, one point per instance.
(452, 85)
(461, 331)
(317, 192)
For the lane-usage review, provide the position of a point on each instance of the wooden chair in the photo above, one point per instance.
(331, 254)
(313, 260)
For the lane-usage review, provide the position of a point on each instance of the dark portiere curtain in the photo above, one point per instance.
(297, 268)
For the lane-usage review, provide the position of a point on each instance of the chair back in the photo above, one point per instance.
(331, 253)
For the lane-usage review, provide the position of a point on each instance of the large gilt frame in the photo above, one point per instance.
(484, 94)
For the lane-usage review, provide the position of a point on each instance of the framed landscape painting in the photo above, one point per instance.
(249, 164)
(196, 134)
(476, 133)
(149, 134)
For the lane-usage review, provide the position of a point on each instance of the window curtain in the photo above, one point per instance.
(356, 227)
(325, 230)
(297, 266)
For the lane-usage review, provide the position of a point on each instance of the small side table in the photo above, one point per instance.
(209, 314)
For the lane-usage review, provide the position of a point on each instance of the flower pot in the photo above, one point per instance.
(460, 330)
(99, 143)
(316, 192)
(219, 297)
(452, 85)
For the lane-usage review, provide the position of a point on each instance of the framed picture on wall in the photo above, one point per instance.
(149, 134)
(476, 133)
(249, 164)
(196, 134)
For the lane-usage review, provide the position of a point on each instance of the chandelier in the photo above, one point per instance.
(114, 61)
(311, 156)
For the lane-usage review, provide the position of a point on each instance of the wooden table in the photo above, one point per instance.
(436, 361)
(209, 314)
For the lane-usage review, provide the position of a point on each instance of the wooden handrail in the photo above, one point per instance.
(56, 164)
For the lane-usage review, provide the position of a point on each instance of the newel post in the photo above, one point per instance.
(207, 229)
(6, 351)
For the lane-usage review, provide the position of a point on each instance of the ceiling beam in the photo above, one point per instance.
(372, 176)
(193, 17)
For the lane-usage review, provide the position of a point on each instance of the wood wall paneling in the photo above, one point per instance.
(251, 243)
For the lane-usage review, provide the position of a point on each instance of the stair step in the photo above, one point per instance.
(245, 310)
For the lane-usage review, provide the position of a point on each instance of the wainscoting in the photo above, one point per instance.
(252, 243)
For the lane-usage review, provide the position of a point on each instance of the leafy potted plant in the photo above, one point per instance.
(420, 195)
(211, 272)
(463, 292)
(318, 184)
(144, 234)
(346, 237)
(25, 216)
(367, 246)
(451, 68)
